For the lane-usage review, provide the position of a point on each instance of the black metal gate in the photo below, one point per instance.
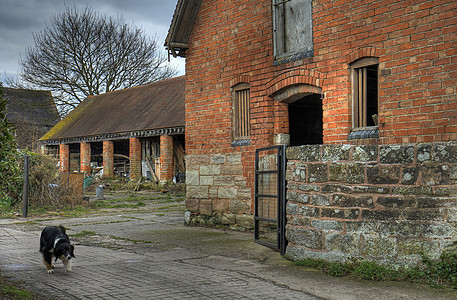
(270, 200)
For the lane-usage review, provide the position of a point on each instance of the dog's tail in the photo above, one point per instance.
(62, 228)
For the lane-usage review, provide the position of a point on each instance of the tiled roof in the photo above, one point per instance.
(147, 108)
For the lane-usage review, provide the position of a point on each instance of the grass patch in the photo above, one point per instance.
(438, 273)
(84, 233)
(9, 291)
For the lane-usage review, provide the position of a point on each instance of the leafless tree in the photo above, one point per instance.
(83, 53)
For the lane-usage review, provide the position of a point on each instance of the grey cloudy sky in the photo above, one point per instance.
(19, 19)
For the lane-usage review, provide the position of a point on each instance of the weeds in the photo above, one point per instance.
(437, 273)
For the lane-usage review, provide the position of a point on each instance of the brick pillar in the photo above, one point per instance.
(85, 157)
(108, 158)
(135, 159)
(166, 158)
(64, 157)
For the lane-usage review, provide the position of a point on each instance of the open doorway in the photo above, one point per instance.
(305, 121)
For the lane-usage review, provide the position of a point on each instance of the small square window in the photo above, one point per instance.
(365, 93)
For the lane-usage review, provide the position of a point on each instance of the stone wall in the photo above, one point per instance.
(216, 191)
(385, 203)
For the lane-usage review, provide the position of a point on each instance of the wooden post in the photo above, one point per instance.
(25, 190)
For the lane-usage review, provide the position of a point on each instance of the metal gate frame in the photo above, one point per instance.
(280, 221)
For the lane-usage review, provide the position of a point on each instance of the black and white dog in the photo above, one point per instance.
(54, 242)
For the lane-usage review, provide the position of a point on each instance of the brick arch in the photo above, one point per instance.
(363, 52)
(305, 81)
(240, 79)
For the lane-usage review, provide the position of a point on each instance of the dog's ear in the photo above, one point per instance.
(71, 252)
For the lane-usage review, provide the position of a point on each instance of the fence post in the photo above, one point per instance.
(25, 190)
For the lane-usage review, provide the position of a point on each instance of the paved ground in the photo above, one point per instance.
(149, 254)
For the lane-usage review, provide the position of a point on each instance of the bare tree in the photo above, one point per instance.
(82, 53)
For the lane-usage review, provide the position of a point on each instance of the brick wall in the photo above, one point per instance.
(166, 158)
(85, 157)
(108, 158)
(388, 203)
(64, 157)
(135, 159)
(232, 42)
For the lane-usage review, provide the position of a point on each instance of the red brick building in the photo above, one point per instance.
(125, 132)
(354, 73)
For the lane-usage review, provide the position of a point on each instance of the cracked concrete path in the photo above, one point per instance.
(152, 255)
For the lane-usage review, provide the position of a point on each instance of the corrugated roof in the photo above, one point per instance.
(30, 107)
(158, 105)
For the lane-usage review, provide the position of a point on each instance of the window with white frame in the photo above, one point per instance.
(293, 28)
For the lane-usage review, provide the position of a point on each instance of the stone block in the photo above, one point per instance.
(298, 221)
(244, 193)
(193, 162)
(453, 173)
(414, 247)
(396, 154)
(336, 188)
(197, 192)
(347, 172)
(305, 236)
(228, 219)
(409, 175)
(424, 153)
(299, 173)
(379, 174)
(352, 201)
(217, 159)
(366, 189)
(308, 187)
(308, 211)
(398, 202)
(227, 192)
(435, 174)
(344, 243)
(232, 170)
(412, 190)
(297, 197)
(245, 221)
(309, 153)
(317, 173)
(336, 152)
(423, 214)
(192, 178)
(385, 214)
(327, 225)
(224, 180)
(349, 214)
(444, 153)
(206, 180)
(292, 153)
(237, 206)
(234, 159)
(377, 247)
(192, 205)
(365, 153)
(220, 205)
(320, 200)
(210, 170)
(206, 207)
(291, 208)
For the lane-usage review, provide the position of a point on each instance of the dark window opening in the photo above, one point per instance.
(305, 121)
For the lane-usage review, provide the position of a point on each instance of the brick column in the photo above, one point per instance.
(64, 157)
(135, 159)
(108, 158)
(166, 158)
(85, 157)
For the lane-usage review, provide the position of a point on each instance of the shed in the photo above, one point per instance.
(128, 132)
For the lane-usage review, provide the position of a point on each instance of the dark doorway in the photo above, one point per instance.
(305, 121)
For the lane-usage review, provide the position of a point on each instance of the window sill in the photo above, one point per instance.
(364, 133)
(238, 143)
(288, 57)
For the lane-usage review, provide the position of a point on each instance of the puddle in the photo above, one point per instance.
(15, 267)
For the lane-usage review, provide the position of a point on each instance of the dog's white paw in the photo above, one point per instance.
(50, 271)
